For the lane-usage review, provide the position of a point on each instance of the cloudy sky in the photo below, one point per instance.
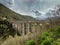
(26, 6)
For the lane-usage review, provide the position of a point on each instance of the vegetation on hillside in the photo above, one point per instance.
(50, 37)
(11, 15)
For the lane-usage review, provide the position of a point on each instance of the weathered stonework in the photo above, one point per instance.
(26, 27)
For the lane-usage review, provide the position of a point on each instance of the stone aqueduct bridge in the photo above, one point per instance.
(25, 27)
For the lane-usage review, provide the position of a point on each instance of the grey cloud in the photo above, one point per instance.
(26, 6)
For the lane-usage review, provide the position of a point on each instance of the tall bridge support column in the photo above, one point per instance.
(23, 33)
(19, 29)
(27, 28)
(33, 28)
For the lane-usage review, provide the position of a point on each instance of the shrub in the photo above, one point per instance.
(31, 42)
(46, 42)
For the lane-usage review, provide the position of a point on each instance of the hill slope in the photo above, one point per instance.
(4, 11)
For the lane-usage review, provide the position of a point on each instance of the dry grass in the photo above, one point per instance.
(17, 40)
